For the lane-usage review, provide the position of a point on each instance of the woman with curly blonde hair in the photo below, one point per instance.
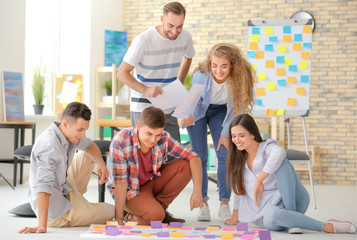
(228, 80)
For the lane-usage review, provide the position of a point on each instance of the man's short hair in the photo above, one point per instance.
(174, 7)
(153, 118)
(76, 110)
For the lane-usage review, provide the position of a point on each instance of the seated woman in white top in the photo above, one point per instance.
(267, 190)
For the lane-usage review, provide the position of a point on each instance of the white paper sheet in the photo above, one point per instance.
(188, 105)
(69, 92)
(172, 95)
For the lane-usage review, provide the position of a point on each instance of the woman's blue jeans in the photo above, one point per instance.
(295, 203)
(214, 118)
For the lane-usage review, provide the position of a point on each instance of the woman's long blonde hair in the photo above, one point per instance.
(241, 75)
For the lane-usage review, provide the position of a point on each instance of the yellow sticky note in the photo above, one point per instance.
(291, 80)
(287, 38)
(146, 235)
(259, 54)
(300, 91)
(64, 105)
(254, 67)
(262, 76)
(260, 91)
(280, 111)
(304, 65)
(270, 111)
(77, 99)
(253, 46)
(282, 48)
(288, 61)
(307, 29)
(254, 38)
(227, 235)
(79, 89)
(268, 31)
(269, 63)
(280, 71)
(212, 228)
(305, 55)
(291, 101)
(78, 82)
(296, 46)
(99, 227)
(271, 86)
(177, 234)
(142, 226)
(112, 223)
(132, 224)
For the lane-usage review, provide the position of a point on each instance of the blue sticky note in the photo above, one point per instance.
(282, 82)
(256, 31)
(268, 47)
(286, 29)
(304, 78)
(298, 37)
(280, 59)
(293, 68)
(258, 102)
(306, 45)
(251, 54)
(69, 78)
(273, 39)
(58, 96)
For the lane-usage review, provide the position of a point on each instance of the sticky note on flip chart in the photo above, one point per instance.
(291, 102)
(258, 102)
(262, 76)
(280, 71)
(287, 29)
(291, 79)
(270, 112)
(300, 91)
(282, 48)
(304, 65)
(288, 61)
(298, 37)
(281, 82)
(287, 38)
(292, 68)
(268, 47)
(260, 91)
(307, 29)
(251, 54)
(280, 112)
(280, 59)
(254, 38)
(296, 46)
(268, 31)
(271, 86)
(304, 78)
(259, 54)
(256, 31)
(269, 64)
(273, 39)
(305, 55)
(253, 46)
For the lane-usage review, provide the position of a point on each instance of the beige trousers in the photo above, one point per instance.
(83, 212)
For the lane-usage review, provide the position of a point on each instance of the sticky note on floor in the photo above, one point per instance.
(177, 234)
(307, 29)
(227, 235)
(296, 46)
(291, 102)
(270, 112)
(269, 63)
(287, 38)
(112, 223)
(102, 227)
(300, 91)
(259, 54)
(242, 226)
(268, 30)
(212, 228)
(282, 48)
(253, 46)
(280, 111)
(291, 79)
(305, 55)
(304, 65)
(163, 234)
(271, 86)
(156, 224)
(254, 38)
(280, 71)
(262, 76)
(264, 235)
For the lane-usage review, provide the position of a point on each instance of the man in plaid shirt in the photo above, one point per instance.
(142, 184)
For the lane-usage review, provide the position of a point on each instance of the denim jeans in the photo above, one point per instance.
(214, 117)
(295, 201)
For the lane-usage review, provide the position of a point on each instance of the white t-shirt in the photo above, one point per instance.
(218, 93)
(157, 61)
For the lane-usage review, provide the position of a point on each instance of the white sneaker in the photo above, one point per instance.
(343, 226)
(204, 213)
(224, 212)
(295, 230)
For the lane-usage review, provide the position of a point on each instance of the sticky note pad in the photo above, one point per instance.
(242, 226)
(280, 59)
(254, 66)
(227, 235)
(268, 31)
(271, 86)
(291, 101)
(273, 39)
(280, 71)
(291, 79)
(256, 31)
(304, 78)
(270, 112)
(288, 61)
(307, 29)
(292, 68)
(306, 45)
(258, 102)
(281, 82)
(304, 65)
(254, 38)
(269, 63)
(282, 48)
(297, 37)
(287, 29)
(287, 38)
(268, 47)
(305, 55)
(296, 46)
(253, 46)
(280, 112)
(260, 91)
(262, 76)
(259, 54)
(264, 235)
(251, 54)
(300, 91)
(212, 228)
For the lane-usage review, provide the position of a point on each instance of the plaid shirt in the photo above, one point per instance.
(123, 154)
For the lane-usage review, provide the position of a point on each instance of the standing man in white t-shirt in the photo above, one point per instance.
(158, 57)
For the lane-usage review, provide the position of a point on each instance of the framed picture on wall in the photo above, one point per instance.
(13, 97)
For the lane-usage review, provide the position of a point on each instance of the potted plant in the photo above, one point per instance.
(107, 85)
(38, 87)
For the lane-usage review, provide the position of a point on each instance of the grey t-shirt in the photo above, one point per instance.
(51, 157)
